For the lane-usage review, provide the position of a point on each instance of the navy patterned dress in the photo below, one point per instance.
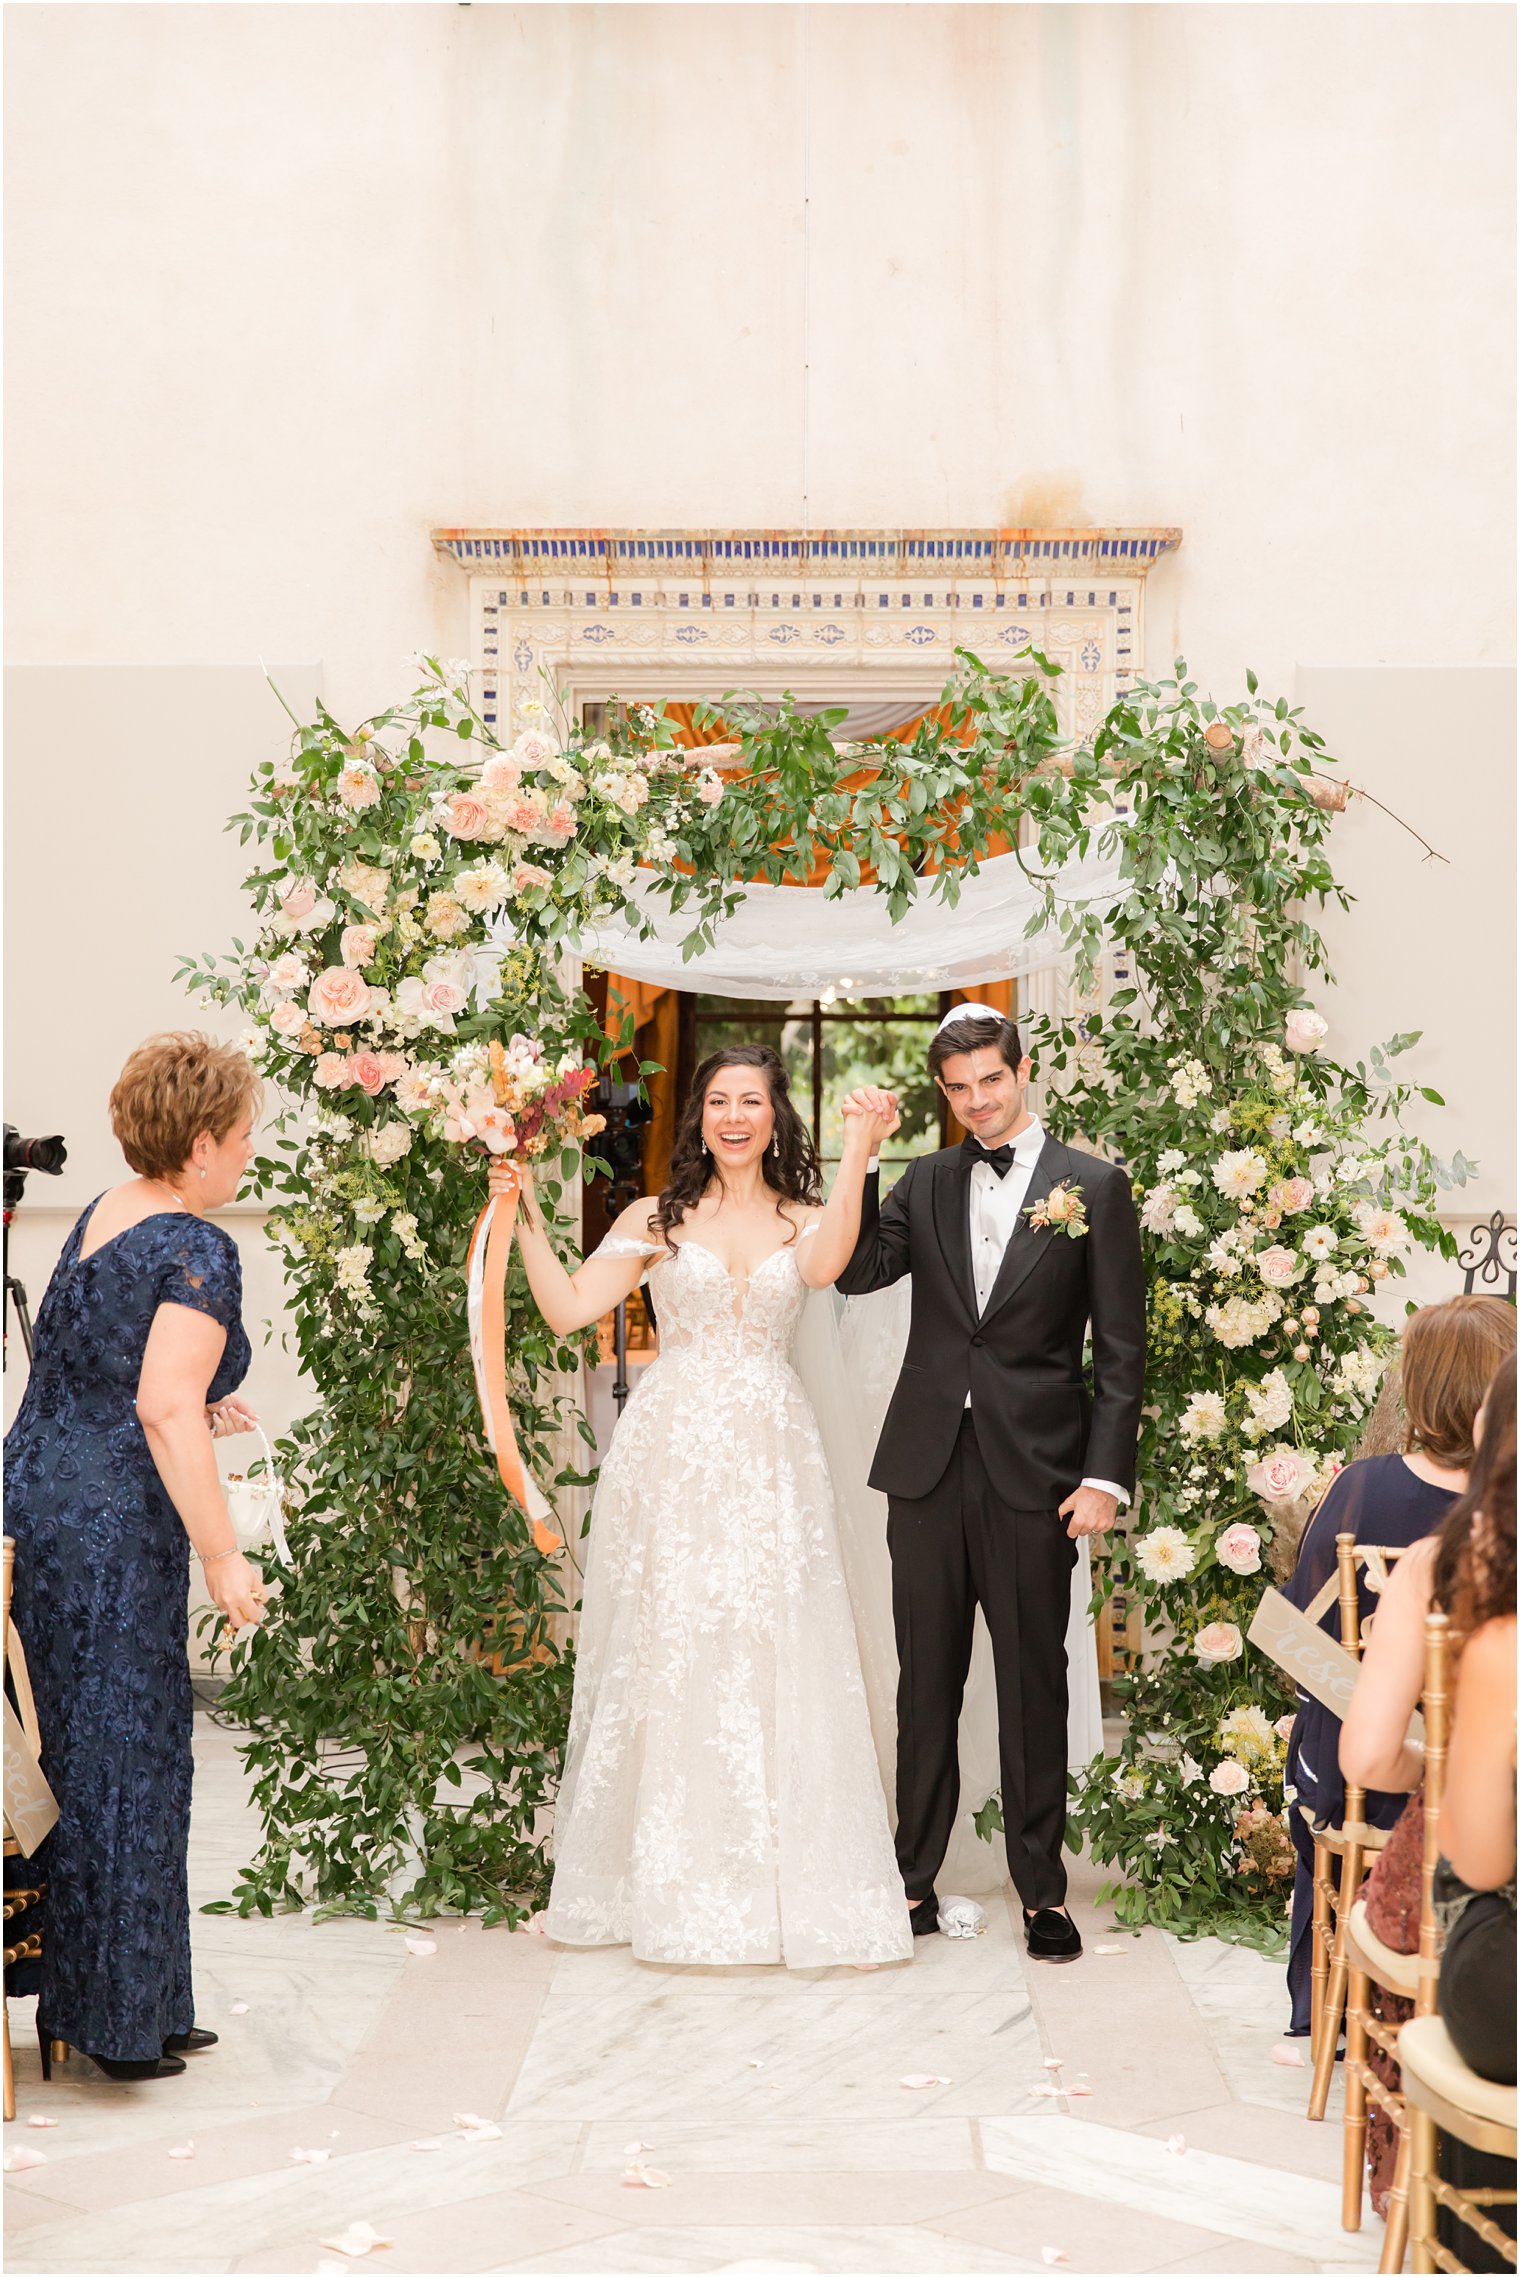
(102, 1606)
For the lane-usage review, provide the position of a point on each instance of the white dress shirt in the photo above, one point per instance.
(996, 1204)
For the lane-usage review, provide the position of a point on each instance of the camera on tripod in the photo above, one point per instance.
(620, 1145)
(21, 1155)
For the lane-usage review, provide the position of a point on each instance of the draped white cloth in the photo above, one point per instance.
(849, 1365)
(788, 941)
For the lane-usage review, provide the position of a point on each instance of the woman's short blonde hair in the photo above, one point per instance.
(172, 1088)
(1449, 1357)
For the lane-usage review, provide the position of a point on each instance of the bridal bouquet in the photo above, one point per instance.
(512, 1099)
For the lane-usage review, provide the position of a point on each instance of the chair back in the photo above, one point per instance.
(1376, 1558)
(1437, 1705)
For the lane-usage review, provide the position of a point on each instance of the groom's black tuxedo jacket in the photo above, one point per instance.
(1040, 1428)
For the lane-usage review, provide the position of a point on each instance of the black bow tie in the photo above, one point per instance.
(998, 1158)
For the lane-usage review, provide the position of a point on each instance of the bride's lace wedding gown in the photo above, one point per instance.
(721, 1801)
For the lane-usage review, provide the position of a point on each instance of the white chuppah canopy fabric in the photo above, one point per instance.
(791, 941)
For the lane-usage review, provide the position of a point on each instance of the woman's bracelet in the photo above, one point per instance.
(213, 1557)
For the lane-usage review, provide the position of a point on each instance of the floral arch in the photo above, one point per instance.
(420, 882)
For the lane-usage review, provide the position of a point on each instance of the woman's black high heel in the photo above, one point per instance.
(188, 2043)
(153, 2067)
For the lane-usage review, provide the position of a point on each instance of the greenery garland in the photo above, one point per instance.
(406, 1703)
(1277, 1190)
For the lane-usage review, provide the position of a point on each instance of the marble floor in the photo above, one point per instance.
(480, 2107)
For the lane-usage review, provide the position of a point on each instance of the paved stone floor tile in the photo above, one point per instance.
(774, 2101)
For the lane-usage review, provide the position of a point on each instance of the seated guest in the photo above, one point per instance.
(1475, 1880)
(1449, 1353)
(110, 1484)
(1375, 1748)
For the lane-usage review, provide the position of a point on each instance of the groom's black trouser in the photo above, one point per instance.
(957, 1547)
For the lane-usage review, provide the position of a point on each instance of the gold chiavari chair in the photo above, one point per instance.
(1441, 2093)
(1412, 1976)
(1351, 1844)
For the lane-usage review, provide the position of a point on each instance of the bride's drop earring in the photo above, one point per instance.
(775, 1143)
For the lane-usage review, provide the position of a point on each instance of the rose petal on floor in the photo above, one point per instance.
(183, 2150)
(1105, 1950)
(422, 1946)
(1290, 2056)
(487, 2133)
(1079, 2088)
(923, 2079)
(470, 2119)
(1052, 2063)
(644, 2177)
(37, 2120)
(631, 2150)
(428, 2143)
(1051, 2254)
(358, 2239)
(238, 2008)
(311, 2157)
(1176, 2144)
(24, 2155)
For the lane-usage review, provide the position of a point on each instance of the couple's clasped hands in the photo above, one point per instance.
(870, 1117)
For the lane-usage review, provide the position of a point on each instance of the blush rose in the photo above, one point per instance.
(1218, 1642)
(1239, 1549)
(338, 996)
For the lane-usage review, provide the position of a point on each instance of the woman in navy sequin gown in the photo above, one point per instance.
(110, 1483)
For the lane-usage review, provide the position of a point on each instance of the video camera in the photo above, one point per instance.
(21, 1155)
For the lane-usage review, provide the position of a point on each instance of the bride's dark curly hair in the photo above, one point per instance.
(789, 1164)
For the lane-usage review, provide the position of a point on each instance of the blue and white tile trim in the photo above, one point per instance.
(684, 613)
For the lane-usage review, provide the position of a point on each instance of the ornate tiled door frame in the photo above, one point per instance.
(833, 613)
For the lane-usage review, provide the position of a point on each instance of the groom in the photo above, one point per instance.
(994, 1455)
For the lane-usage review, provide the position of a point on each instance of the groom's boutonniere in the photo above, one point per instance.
(1062, 1210)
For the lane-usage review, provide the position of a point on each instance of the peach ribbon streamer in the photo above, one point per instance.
(486, 1273)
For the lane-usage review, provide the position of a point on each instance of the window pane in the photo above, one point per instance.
(865, 1040)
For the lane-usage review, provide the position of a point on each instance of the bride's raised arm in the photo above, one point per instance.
(569, 1301)
(870, 1118)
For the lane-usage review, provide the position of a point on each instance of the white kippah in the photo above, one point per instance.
(959, 1012)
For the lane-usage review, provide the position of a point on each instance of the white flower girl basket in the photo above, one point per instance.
(256, 1506)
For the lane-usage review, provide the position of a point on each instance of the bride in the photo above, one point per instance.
(721, 1801)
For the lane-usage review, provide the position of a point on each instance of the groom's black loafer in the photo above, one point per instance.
(925, 1917)
(1051, 1936)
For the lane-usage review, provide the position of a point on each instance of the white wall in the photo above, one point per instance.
(117, 785)
(290, 285)
(1427, 943)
